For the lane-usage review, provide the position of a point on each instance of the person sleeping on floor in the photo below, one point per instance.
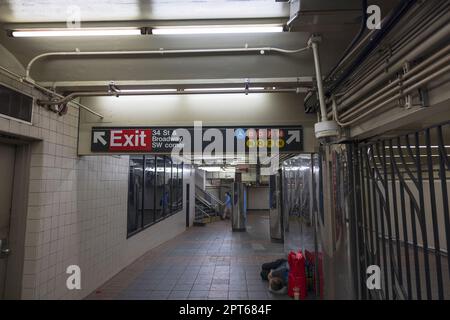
(277, 273)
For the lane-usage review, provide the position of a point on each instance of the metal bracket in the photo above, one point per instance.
(113, 89)
(247, 85)
(408, 99)
(315, 38)
(422, 92)
(424, 98)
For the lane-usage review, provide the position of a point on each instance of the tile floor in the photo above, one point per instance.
(210, 262)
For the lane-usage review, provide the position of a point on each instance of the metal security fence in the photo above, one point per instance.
(401, 210)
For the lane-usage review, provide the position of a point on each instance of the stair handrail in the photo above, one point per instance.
(210, 196)
(202, 211)
(205, 202)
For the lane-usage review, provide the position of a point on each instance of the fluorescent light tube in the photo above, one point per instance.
(211, 169)
(218, 169)
(221, 89)
(74, 32)
(217, 29)
(147, 90)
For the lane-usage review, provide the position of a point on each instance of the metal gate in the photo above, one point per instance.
(401, 209)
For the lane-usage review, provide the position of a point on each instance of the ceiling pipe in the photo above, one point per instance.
(324, 128)
(303, 83)
(314, 43)
(397, 14)
(407, 90)
(46, 91)
(395, 85)
(388, 23)
(432, 61)
(114, 91)
(384, 71)
(436, 60)
(260, 50)
(355, 40)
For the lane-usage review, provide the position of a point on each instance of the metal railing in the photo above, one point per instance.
(402, 213)
(209, 199)
(200, 214)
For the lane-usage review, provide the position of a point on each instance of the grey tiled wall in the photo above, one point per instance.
(76, 209)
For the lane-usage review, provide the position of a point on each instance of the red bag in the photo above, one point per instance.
(297, 274)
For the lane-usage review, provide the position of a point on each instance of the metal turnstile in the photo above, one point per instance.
(239, 214)
(275, 211)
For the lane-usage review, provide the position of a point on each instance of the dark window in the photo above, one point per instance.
(174, 183)
(15, 104)
(135, 184)
(167, 197)
(160, 174)
(154, 191)
(149, 190)
(180, 187)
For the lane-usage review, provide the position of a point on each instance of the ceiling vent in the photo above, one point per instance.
(15, 105)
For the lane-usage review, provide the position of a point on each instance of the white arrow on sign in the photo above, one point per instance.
(295, 135)
(98, 137)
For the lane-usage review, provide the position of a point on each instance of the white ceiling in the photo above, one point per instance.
(36, 11)
(337, 25)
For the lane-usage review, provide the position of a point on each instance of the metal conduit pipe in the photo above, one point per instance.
(394, 17)
(430, 60)
(404, 38)
(392, 87)
(53, 93)
(323, 129)
(355, 40)
(261, 50)
(397, 46)
(313, 42)
(380, 67)
(349, 89)
(335, 113)
(358, 46)
(11, 74)
(19, 78)
(401, 46)
(381, 75)
(118, 93)
(392, 99)
(402, 83)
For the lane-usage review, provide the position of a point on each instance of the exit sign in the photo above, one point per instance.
(122, 140)
(236, 140)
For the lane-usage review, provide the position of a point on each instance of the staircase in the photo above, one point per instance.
(208, 208)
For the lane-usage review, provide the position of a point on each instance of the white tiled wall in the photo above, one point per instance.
(76, 210)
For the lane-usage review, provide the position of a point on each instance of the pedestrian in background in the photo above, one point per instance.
(227, 209)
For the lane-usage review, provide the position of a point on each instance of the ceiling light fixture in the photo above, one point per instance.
(217, 29)
(143, 91)
(217, 169)
(20, 33)
(221, 89)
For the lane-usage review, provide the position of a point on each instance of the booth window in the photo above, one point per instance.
(155, 189)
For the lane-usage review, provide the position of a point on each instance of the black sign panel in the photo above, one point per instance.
(197, 139)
